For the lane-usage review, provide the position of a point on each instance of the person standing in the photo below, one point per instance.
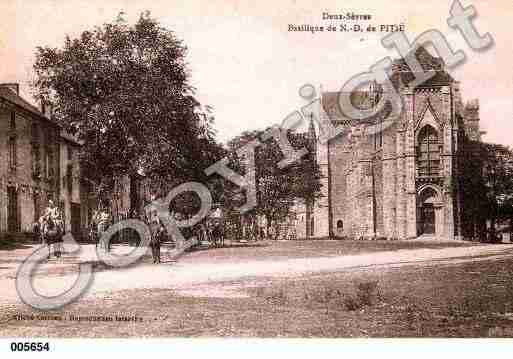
(102, 218)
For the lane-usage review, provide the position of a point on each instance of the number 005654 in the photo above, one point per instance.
(29, 347)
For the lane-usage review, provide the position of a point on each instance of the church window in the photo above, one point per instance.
(428, 156)
(340, 224)
(378, 140)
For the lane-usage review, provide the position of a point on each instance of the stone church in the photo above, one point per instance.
(399, 182)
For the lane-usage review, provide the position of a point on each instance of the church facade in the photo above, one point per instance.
(400, 182)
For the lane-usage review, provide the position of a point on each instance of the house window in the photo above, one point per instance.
(36, 161)
(36, 153)
(50, 162)
(69, 178)
(12, 153)
(428, 156)
(13, 223)
(13, 120)
(37, 206)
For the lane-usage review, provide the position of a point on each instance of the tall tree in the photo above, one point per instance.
(486, 181)
(498, 179)
(124, 91)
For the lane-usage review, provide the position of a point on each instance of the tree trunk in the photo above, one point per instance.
(492, 229)
(511, 229)
(268, 226)
(134, 196)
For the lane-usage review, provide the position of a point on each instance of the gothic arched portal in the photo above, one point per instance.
(429, 202)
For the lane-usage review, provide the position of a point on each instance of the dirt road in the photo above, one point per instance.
(203, 278)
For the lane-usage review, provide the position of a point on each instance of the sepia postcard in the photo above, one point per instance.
(235, 169)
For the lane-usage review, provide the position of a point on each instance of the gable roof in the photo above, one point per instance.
(15, 99)
(9, 95)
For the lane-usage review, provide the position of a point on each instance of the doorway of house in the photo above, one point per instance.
(13, 223)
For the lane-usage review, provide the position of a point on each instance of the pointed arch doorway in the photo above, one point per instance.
(427, 218)
(429, 210)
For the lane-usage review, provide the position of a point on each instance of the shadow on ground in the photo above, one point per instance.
(12, 245)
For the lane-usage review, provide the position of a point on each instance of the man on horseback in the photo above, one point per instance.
(102, 219)
(52, 227)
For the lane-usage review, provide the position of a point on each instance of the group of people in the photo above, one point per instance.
(102, 219)
(51, 229)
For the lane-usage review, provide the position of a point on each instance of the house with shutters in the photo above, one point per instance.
(38, 162)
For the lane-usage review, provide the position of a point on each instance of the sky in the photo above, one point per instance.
(247, 65)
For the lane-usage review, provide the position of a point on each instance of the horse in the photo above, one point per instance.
(52, 233)
(216, 233)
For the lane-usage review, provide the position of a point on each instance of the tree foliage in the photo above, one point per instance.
(124, 92)
(278, 189)
(486, 182)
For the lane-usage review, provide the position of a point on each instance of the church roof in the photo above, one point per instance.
(360, 99)
(401, 75)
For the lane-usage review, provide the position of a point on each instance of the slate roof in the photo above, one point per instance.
(360, 99)
(401, 75)
(12, 97)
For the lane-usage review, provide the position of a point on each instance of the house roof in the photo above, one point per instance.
(15, 99)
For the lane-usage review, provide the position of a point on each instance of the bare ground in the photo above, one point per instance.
(432, 291)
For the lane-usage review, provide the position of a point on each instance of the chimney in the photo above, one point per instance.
(13, 86)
